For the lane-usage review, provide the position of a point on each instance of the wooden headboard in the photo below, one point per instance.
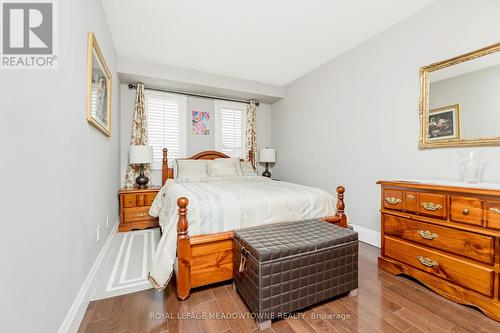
(168, 173)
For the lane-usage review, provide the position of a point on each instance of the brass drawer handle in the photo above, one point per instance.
(141, 214)
(392, 200)
(410, 196)
(427, 234)
(495, 210)
(465, 211)
(431, 206)
(427, 262)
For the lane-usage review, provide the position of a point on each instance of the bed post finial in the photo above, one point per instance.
(182, 225)
(341, 206)
(164, 167)
(340, 218)
(340, 202)
(183, 273)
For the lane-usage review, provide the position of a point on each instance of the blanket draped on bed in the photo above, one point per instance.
(228, 204)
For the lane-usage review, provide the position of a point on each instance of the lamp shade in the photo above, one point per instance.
(141, 154)
(267, 155)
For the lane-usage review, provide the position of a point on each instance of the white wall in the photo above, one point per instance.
(182, 79)
(195, 143)
(355, 120)
(477, 94)
(60, 177)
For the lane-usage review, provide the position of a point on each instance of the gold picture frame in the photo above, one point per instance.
(424, 142)
(99, 88)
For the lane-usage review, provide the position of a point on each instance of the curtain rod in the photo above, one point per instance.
(134, 85)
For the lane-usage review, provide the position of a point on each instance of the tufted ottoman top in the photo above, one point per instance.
(280, 240)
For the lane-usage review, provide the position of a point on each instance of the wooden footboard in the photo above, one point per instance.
(207, 259)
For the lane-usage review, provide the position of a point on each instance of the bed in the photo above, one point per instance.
(200, 251)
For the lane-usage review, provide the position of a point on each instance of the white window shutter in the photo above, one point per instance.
(230, 134)
(166, 116)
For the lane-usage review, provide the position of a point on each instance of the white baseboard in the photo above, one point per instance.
(366, 235)
(77, 310)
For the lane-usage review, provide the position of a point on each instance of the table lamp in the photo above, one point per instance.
(141, 155)
(267, 155)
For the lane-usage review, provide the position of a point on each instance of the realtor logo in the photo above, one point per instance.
(28, 34)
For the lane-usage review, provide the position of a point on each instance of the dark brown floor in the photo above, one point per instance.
(385, 304)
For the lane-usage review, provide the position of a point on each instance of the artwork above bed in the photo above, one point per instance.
(201, 122)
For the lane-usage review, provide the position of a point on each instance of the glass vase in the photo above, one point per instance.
(470, 166)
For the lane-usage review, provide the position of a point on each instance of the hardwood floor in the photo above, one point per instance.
(385, 304)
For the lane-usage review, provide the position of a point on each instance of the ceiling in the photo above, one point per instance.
(269, 41)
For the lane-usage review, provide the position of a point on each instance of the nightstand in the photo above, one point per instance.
(134, 208)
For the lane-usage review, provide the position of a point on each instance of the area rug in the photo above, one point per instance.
(126, 268)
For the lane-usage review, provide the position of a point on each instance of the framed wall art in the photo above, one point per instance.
(444, 123)
(99, 88)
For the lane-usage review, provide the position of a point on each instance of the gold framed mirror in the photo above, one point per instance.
(460, 100)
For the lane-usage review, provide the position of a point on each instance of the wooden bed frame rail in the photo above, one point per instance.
(206, 259)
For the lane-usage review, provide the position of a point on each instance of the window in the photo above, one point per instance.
(230, 131)
(166, 116)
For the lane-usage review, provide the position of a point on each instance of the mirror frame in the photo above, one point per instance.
(424, 142)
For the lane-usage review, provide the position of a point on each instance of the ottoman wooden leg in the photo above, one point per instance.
(354, 292)
(264, 325)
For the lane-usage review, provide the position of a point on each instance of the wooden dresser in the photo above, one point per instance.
(446, 235)
(134, 208)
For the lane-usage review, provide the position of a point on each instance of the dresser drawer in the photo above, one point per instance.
(136, 214)
(150, 197)
(393, 199)
(469, 275)
(434, 205)
(493, 214)
(467, 210)
(141, 200)
(463, 243)
(410, 202)
(129, 200)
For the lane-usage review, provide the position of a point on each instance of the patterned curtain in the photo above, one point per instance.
(139, 136)
(252, 132)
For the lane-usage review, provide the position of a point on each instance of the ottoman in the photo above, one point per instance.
(283, 267)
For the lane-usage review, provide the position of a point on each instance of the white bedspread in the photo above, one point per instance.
(228, 204)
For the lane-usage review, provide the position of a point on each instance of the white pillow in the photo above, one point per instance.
(235, 162)
(191, 169)
(224, 167)
(247, 168)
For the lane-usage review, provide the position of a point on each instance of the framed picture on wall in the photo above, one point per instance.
(99, 91)
(200, 123)
(444, 123)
